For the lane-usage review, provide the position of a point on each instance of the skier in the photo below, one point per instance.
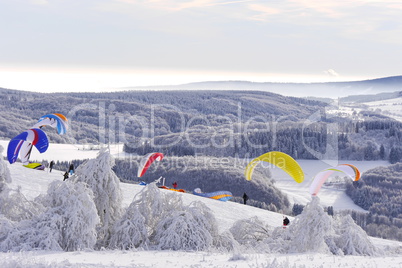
(71, 169)
(51, 166)
(175, 185)
(65, 176)
(245, 198)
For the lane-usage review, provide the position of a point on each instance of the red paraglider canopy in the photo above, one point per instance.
(147, 161)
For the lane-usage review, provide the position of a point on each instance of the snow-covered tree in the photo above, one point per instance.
(192, 228)
(158, 219)
(226, 242)
(137, 226)
(153, 204)
(310, 229)
(130, 231)
(5, 176)
(250, 231)
(100, 178)
(352, 239)
(69, 222)
(15, 206)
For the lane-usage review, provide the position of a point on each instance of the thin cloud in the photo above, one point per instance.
(331, 72)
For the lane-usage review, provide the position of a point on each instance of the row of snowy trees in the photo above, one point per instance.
(377, 139)
(86, 212)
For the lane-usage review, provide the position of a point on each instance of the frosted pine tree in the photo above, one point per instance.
(100, 178)
(310, 229)
(352, 239)
(68, 223)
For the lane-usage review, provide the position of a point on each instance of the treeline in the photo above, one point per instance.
(376, 139)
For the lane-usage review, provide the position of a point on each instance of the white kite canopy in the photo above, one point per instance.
(146, 162)
(350, 170)
(55, 120)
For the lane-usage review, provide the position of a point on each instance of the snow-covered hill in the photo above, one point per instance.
(33, 182)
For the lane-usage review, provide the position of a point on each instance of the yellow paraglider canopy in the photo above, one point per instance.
(279, 159)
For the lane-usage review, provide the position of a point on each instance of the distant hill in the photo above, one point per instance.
(369, 98)
(325, 90)
(98, 117)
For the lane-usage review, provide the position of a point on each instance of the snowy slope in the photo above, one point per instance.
(390, 107)
(33, 182)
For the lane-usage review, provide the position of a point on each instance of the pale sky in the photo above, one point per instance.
(67, 45)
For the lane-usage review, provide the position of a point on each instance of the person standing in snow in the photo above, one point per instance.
(51, 166)
(175, 185)
(65, 176)
(245, 198)
(71, 169)
(286, 221)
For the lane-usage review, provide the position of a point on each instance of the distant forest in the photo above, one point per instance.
(210, 123)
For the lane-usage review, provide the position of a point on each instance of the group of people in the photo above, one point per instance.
(70, 171)
(66, 175)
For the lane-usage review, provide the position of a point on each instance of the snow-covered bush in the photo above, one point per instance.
(154, 204)
(138, 225)
(352, 239)
(250, 231)
(314, 231)
(192, 228)
(68, 223)
(225, 242)
(310, 229)
(100, 178)
(6, 226)
(5, 176)
(15, 206)
(130, 231)
(157, 219)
